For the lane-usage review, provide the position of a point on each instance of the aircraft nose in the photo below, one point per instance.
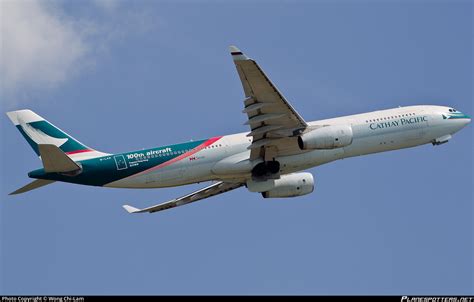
(457, 120)
(463, 120)
(466, 119)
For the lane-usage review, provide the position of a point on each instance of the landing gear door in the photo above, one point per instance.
(120, 162)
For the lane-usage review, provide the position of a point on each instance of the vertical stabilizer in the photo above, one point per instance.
(36, 130)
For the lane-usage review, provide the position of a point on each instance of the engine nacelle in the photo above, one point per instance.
(328, 137)
(288, 185)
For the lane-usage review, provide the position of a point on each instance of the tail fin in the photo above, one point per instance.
(36, 130)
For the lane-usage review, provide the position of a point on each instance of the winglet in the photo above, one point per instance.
(131, 209)
(237, 54)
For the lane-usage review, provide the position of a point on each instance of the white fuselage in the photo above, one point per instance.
(378, 131)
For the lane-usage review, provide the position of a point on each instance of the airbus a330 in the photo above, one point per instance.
(270, 159)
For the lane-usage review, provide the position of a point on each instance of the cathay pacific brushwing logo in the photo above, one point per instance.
(39, 137)
(455, 115)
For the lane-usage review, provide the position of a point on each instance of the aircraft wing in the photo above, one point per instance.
(270, 116)
(214, 189)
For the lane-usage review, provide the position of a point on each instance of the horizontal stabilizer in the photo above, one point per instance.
(55, 160)
(32, 185)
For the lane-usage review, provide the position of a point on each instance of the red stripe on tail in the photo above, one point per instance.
(78, 151)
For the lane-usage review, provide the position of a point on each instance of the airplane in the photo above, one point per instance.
(269, 159)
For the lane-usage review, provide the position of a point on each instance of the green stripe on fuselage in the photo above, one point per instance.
(103, 170)
(458, 115)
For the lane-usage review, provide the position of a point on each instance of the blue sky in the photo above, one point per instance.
(121, 76)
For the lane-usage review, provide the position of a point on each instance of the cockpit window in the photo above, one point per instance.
(450, 110)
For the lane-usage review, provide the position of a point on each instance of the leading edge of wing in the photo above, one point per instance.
(212, 190)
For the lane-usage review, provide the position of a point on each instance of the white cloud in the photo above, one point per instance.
(42, 47)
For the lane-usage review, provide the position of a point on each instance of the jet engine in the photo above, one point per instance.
(288, 185)
(327, 137)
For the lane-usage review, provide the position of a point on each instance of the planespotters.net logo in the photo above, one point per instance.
(437, 299)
